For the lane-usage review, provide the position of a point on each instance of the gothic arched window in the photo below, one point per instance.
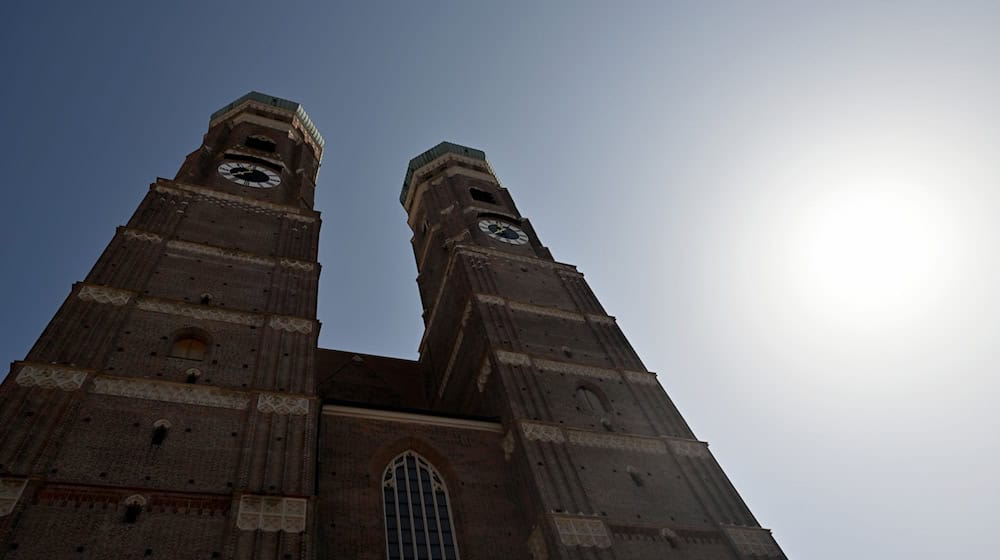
(418, 523)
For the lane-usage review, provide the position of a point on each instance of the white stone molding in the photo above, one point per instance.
(200, 312)
(171, 392)
(10, 492)
(507, 444)
(602, 319)
(411, 418)
(272, 514)
(50, 377)
(484, 375)
(582, 531)
(296, 264)
(513, 358)
(291, 324)
(536, 545)
(103, 294)
(545, 311)
(577, 369)
(491, 299)
(227, 199)
(751, 541)
(640, 377)
(142, 235)
(276, 403)
(689, 448)
(542, 432)
(210, 250)
(520, 258)
(162, 423)
(300, 218)
(616, 441)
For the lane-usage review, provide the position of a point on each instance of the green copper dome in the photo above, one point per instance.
(432, 154)
(280, 103)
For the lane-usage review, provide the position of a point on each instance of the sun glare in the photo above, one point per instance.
(871, 256)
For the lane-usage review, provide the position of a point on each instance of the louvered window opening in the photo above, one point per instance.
(418, 522)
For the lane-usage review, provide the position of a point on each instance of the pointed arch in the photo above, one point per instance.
(418, 517)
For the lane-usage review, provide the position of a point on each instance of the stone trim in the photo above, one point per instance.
(536, 545)
(200, 312)
(141, 235)
(547, 311)
(617, 441)
(10, 492)
(104, 294)
(291, 324)
(50, 377)
(296, 264)
(689, 448)
(272, 514)
(582, 531)
(520, 359)
(640, 377)
(170, 392)
(411, 418)
(551, 433)
(210, 250)
(276, 403)
(182, 189)
(538, 261)
(457, 345)
(754, 541)
(542, 432)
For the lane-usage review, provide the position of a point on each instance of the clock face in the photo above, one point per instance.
(503, 231)
(249, 174)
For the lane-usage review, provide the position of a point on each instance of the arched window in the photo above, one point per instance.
(189, 348)
(262, 143)
(418, 521)
(589, 401)
(482, 196)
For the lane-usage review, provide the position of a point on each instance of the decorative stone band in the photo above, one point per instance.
(291, 324)
(50, 377)
(181, 189)
(103, 294)
(518, 359)
(271, 514)
(171, 392)
(10, 493)
(275, 403)
(201, 312)
(536, 545)
(754, 541)
(550, 433)
(617, 441)
(567, 268)
(141, 235)
(544, 311)
(582, 531)
(202, 249)
(689, 448)
(296, 265)
(542, 432)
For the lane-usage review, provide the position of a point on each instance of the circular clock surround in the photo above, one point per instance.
(503, 231)
(249, 174)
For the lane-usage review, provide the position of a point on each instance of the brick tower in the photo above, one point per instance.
(168, 408)
(177, 406)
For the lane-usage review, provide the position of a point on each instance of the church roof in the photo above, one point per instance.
(432, 154)
(280, 103)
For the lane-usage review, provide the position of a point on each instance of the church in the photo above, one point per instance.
(178, 405)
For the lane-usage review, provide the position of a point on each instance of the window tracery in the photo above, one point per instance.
(418, 523)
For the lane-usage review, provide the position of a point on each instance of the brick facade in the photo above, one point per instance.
(177, 405)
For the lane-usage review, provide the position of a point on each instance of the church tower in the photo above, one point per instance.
(602, 463)
(168, 410)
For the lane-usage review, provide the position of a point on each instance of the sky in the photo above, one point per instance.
(789, 207)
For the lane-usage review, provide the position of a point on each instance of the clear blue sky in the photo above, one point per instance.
(790, 207)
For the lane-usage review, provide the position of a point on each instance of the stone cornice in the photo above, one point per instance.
(201, 395)
(411, 418)
(49, 376)
(572, 368)
(117, 297)
(554, 433)
(185, 190)
(216, 251)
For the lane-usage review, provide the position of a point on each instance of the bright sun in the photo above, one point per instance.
(871, 256)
